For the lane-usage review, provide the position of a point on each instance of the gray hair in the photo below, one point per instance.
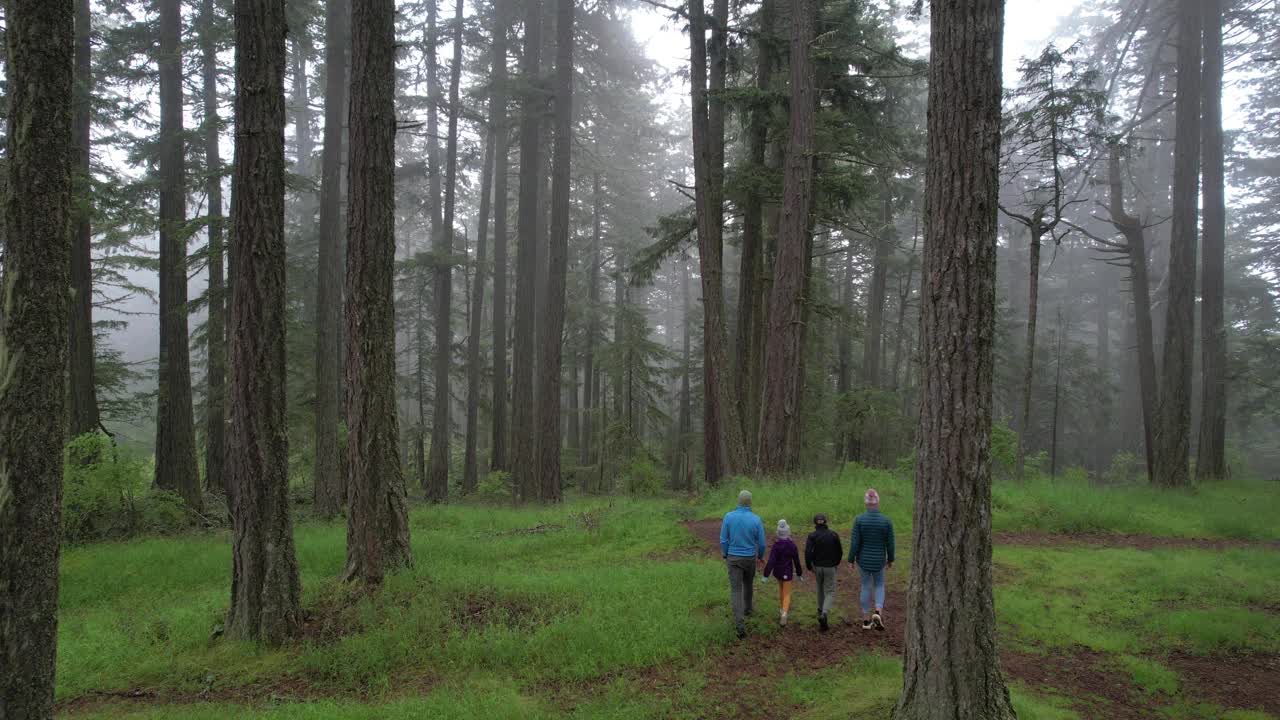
(744, 498)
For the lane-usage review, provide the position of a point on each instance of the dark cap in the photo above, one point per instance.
(820, 519)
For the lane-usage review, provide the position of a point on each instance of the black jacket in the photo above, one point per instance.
(823, 549)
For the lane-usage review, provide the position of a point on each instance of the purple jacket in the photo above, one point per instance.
(784, 560)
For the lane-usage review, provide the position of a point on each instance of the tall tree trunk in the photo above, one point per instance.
(496, 126)
(216, 327)
(551, 325)
(502, 136)
(303, 140)
(724, 445)
(1140, 288)
(1211, 461)
(873, 345)
(749, 324)
(83, 398)
(1057, 401)
(328, 476)
(38, 212)
(377, 520)
(1173, 426)
(1029, 346)
(438, 472)
(524, 461)
(845, 443)
(1104, 426)
(176, 467)
(590, 384)
(780, 405)
(265, 584)
(950, 666)
(904, 298)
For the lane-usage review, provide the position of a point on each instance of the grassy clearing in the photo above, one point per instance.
(532, 612)
(1134, 602)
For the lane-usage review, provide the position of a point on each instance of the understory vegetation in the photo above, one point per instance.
(609, 607)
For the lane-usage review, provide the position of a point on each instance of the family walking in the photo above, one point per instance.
(871, 551)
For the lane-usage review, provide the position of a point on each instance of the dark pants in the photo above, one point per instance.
(742, 573)
(826, 588)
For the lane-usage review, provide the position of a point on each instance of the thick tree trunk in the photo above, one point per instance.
(216, 327)
(1173, 425)
(304, 142)
(438, 472)
(377, 522)
(176, 467)
(265, 585)
(83, 397)
(40, 160)
(551, 323)
(1211, 461)
(524, 460)
(780, 404)
(328, 474)
(950, 667)
(749, 322)
(502, 136)
(497, 126)
(590, 384)
(1029, 346)
(724, 445)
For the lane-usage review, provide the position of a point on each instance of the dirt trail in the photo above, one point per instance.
(746, 673)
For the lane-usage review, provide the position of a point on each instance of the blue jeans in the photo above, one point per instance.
(869, 580)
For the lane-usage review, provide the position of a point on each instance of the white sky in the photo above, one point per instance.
(1028, 26)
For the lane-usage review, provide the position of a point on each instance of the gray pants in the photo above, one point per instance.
(742, 573)
(826, 577)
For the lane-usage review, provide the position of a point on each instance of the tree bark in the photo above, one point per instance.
(328, 476)
(785, 343)
(1104, 427)
(438, 471)
(1140, 288)
(265, 585)
(749, 322)
(377, 521)
(497, 125)
(83, 398)
(216, 327)
(502, 136)
(176, 467)
(1029, 346)
(1211, 460)
(950, 666)
(724, 445)
(904, 298)
(524, 460)
(34, 321)
(552, 317)
(1173, 427)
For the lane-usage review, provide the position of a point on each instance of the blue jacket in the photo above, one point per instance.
(742, 534)
(872, 541)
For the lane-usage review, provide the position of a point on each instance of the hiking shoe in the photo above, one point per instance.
(742, 633)
(877, 621)
(782, 619)
(866, 625)
(822, 623)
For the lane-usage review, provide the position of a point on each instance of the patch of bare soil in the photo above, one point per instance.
(1247, 682)
(743, 678)
(476, 611)
(1034, 538)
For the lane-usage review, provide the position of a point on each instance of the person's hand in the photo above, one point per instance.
(852, 566)
(888, 567)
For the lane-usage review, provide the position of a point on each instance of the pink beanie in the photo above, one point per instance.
(872, 498)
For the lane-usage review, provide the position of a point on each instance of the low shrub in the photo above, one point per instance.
(107, 493)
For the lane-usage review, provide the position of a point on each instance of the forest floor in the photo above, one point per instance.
(1112, 603)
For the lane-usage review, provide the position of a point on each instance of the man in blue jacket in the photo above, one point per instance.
(742, 546)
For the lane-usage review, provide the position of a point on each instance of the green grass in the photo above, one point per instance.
(494, 621)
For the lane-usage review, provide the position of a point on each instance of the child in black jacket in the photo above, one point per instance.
(822, 555)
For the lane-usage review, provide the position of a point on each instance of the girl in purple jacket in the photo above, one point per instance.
(783, 565)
